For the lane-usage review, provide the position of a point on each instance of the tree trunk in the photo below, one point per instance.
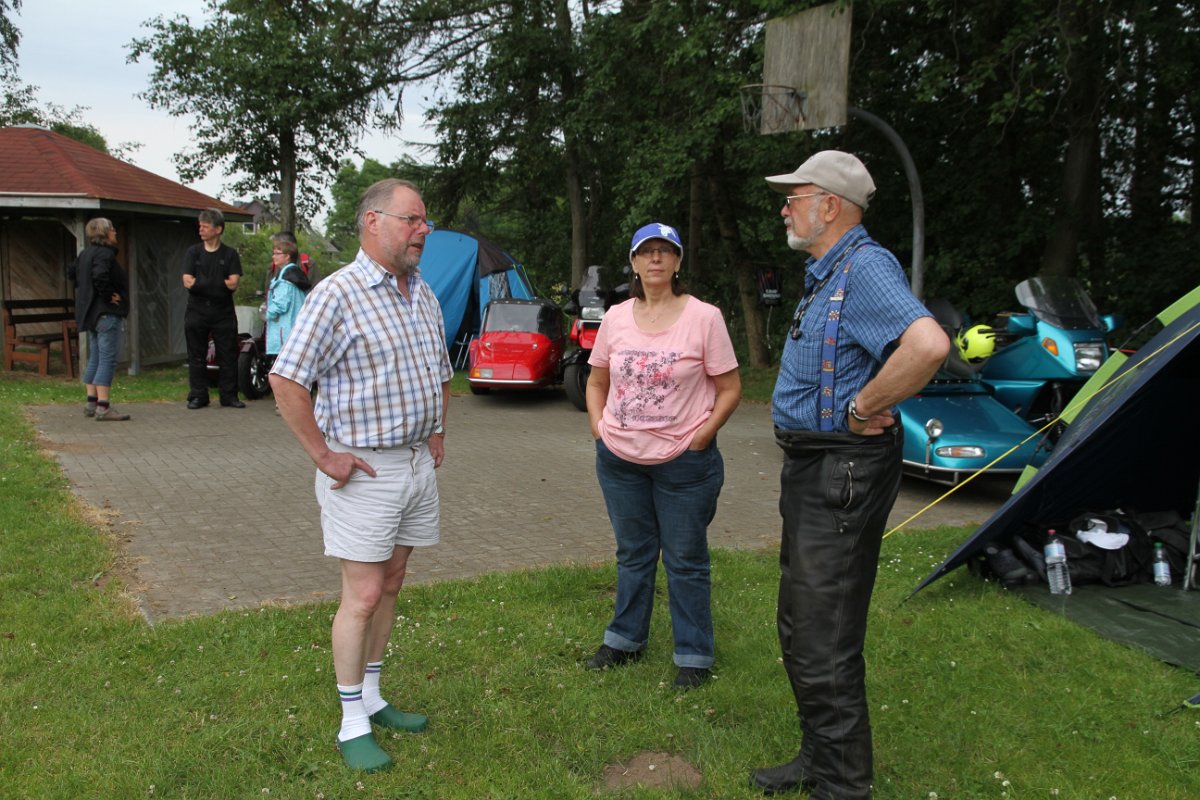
(743, 269)
(1074, 219)
(287, 180)
(579, 218)
(696, 192)
(580, 229)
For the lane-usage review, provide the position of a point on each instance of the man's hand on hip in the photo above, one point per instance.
(875, 424)
(341, 466)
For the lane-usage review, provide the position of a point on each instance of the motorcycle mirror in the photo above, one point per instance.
(572, 306)
(1112, 322)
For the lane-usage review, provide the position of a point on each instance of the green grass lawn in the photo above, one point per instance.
(974, 693)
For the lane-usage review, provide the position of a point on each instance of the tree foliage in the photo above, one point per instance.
(20, 106)
(1050, 136)
(10, 37)
(279, 91)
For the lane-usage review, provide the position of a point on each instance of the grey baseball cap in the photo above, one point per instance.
(834, 171)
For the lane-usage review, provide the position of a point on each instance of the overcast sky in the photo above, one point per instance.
(74, 51)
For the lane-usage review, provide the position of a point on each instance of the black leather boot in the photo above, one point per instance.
(795, 774)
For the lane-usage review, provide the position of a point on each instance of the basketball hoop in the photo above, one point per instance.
(771, 108)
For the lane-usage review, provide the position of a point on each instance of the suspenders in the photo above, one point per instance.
(832, 323)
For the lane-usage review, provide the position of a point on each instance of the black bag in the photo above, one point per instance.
(1169, 528)
(1088, 563)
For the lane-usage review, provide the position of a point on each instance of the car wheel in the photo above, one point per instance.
(575, 378)
(252, 375)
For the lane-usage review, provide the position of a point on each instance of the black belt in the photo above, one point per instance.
(809, 441)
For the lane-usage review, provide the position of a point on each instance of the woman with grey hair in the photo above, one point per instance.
(101, 305)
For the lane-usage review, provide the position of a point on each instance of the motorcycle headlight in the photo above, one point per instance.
(960, 451)
(592, 312)
(934, 428)
(1088, 356)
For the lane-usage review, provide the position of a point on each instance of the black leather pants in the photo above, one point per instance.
(837, 492)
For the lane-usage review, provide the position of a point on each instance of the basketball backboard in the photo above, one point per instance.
(809, 52)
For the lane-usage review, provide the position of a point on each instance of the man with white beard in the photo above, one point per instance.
(859, 343)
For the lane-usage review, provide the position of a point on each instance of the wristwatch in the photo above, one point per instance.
(439, 430)
(853, 410)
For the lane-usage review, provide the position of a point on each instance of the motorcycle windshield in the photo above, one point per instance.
(1059, 301)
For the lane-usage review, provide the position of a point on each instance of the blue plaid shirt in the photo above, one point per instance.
(878, 307)
(380, 360)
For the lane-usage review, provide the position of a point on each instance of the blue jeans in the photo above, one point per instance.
(104, 348)
(663, 507)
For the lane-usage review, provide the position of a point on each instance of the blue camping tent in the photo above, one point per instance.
(466, 273)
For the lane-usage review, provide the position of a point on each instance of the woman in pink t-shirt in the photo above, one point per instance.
(664, 380)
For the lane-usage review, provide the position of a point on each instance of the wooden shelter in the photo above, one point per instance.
(51, 185)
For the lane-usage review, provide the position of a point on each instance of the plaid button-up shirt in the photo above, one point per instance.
(380, 360)
(878, 307)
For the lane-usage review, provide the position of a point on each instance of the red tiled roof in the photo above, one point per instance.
(37, 161)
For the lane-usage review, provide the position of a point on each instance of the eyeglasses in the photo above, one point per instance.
(411, 219)
(788, 200)
(646, 252)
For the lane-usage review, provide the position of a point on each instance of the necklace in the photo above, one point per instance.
(651, 318)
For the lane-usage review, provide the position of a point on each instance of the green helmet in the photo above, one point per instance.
(977, 343)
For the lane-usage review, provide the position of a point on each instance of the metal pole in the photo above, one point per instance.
(914, 191)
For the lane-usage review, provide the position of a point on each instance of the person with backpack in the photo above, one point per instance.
(285, 295)
(304, 278)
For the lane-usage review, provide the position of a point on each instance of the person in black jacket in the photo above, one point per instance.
(101, 305)
(211, 272)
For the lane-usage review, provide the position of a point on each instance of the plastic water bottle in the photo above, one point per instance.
(1057, 572)
(1162, 568)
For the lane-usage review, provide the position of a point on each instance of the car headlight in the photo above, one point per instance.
(960, 451)
(934, 428)
(481, 373)
(592, 312)
(1088, 356)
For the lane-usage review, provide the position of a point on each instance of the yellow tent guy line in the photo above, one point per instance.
(1075, 403)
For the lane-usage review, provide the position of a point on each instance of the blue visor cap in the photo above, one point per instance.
(655, 230)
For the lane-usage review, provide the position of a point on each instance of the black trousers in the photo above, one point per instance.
(204, 319)
(837, 492)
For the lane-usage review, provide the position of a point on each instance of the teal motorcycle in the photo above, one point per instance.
(955, 427)
(1038, 359)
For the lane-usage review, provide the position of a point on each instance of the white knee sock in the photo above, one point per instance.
(355, 720)
(372, 700)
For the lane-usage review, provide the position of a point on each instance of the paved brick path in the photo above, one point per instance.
(217, 508)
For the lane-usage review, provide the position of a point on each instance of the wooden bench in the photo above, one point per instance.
(29, 332)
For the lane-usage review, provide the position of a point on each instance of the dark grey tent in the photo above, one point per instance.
(1134, 445)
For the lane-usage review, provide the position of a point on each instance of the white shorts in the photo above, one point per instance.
(368, 518)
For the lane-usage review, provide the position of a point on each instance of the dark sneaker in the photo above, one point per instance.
(110, 414)
(612, 657)
(691, 677)
(89, 410)
(195, 403)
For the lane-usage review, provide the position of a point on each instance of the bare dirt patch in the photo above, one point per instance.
(653, 771)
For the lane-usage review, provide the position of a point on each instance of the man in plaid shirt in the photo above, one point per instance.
(371, 337)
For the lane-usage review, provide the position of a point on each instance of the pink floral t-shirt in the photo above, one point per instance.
(660, 384)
